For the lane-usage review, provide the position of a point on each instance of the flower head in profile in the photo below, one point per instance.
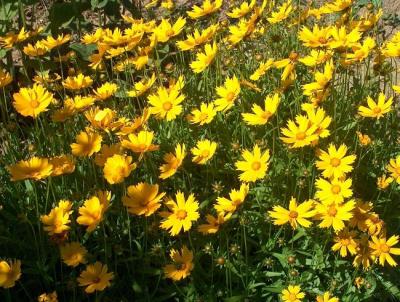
(95, 277)
(203, 151)
(77, 82)
(57, 221)
(166, 30)
(139, 88)
(213, 224)
(382, 249)
(255, 164)
(334, 162)
(227, 93)
(117, 168)
(181, 266)
(5, 78)
(143, 199)
(230, 205)
(140, 143)
(91, 213)
(394, 168)
(166, 104)
(283, 11)
(63, 164)
(261, 116)
(87, 143)
(292, 294)
(32, 101)
(197, 38)
(48, 297)
(262, 69)
(107, 151)
(10, 272)
(73, 254)
(203, 60)
(376, 109)
(172, 161)
(181, 214)
(208, 7)
(105, 91)
(244, 8)
(35, 168)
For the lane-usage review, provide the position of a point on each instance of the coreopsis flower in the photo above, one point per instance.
(299, 134)
(92, 38)
(107, 151)
(244, 8)
(361, 51)
(337, 6)
(166, 30)
(382, 248)
(204, 115)
(95, 277)
(334, 162)
(333, 190)
(51, 43)
(396, 89)
(105, 91)
(182, 264)
(181, 214)
(35, 168)
(227, 93)
(361, 212)
(172, 161)
(283, 11)
(113, 37)
(117, 168)
(73, 254)
(316, 57)
(35, 50)
(102, 119)
(334, 214)
(236, 198)
(93, 210)
(167, 4)
(12, 38)
(292, 294)
(296, 214)
(140, 143)
(243, 29)
(208, 7)
(318, 117)
(166, 104)
(254, 166)
(394, 168)
(32, 101)
(342, 40)
(139, 88)
(138, 123)
(364, 139)
(318, 91)
(204, 151)
(197, 38)
(376, 109)
(63, 164)
(10, 272)
(5, 78)
(374, 224)
(143, 199)
(364, 255)
(77, 82)
(203, 60)
(345, 242)
(262, 69)
(261, 116)
(87, 143)
(326, 297)
(213, 224)
(48, 297)
(288, 65)
(318, 37)
(383, 182)
(82, 102)
(56, 222)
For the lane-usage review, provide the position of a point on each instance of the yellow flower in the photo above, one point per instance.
(282, 13)
(51, 43)
(364, 139)
(336, 6)
(166, 104)
(166, 30)
(344, 241)
(35, 50)
(32, 101)
(182, 264)
(63, 164)
(77, 82)
(261, 116)
(208, 7)
(361, 51)
(318, 37)
(56, 222)
(383, 182)
(242, 10)
(316, 57)
(172, 161)
(254, 166)
(319, 90)
(105, 91)
(227, 94)
(107, 151)
(299, 134)
(203, 60)
(141, 87)
(95, 277)
(288, 66)
(34, 168)
(394, 168)
(334, 190)
(262, 69)
(335, 163)
(334, 214)
(374, 224)
(236, 198)
(117, 168)
(382, 249)
(319, 119)
(213, 224)
(197, 38)
(93, 209)
(73, 254)
(142, 199)
(9, 273)
(326, 297)
(342, 40)
(140, 143)
(5, 78)
(82, 102)
(297, 214)
(204, 115)
(87, 143)
(50, 297)
(181, 214)
(292, 294)
(203, 151)
(376, 109)
(12, 38)
(364, 254)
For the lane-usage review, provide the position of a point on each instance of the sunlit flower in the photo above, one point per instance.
(182, 264)
(48, 297)
(63, 164)
(318, 37)
(292, 294)
(95, 277)
(376, 109)
(281, 13)
(77, 82)
(73, 254)
(227, 93)
(203, 60)
(334, 162)
(299, 134)
(261, 116)
(105, 91)
(107, 151)
(197, 38)
(255, 164)
(117, 168)
(382, 248)
(203, 151)
(334, 190)
(383, 182)
(91, 213)
(51, 43)
(394, 168)
(236, 198)
(326, 297)
(208, 7)
(172, 161)
(87, 143)
(32, 101)
(57, 221)
(213, 224)
(244, 8)
(140, 143)
(142, 199)
(204, 115)
(166, 30)
(262, 69)
(334, 215)
(166, 104)
(5, 78)
(141, 87)
(345, 242)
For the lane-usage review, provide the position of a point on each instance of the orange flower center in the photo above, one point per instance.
(256, 165)
(293, 56)
(142, 147)
(397, 170)
(332, 211)
(181, 214)
(301, 135)
(230, 96)
(266, 115)
(96, 280)
(384, 248)
(292, 297)
(345, 241)
(205, 153)
(203, 116)
(35, 103)
(293, 214)
(377, 110)
(335, 162)
(236, 202)
(336, 189)
(170, 32)
(167, 106)
(322, 40)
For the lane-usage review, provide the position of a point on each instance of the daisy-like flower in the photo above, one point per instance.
(87, 143)
(261, 116)
(376, 109)
(142, 199)
(242, 10)
(364, 139)
(383, 182)
(341, 39)
(56, 222)
(204, 115)
(255, 164)
(95, 277)
(48, 297)
(117, 168)
(73, 254)
(166, 30)
(181, 214)
(227, 94)
(316, 57)
(63, 164)
(299, 134)
(203, 60)
(292, 294)
(394, 168)
(326, 297)
(335, 163)
(318, 37)
(139, 88)
(93, 209)
(213, 224)
(382, 248)
(262, 69)
(105, 91)
(203, 151)
(35, 50)
(334, 190)
(107, 151)
(166, 104)
(32, 101)
(103, 119)
(172, 161)
(334, 215)
(51, 43)
(208, 7)
(140, 143)
(182, 264)
(296, 214)
(197, 38)
(236, 198)
(364, 255)
(319, 118)
(34, 168)
(282, 13)
(5, 78)
(10, 272)
(77, 82)
(345, 242)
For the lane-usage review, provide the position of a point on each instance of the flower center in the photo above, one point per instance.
(301, 135)
(167, 106)
(345, 241)
(377, 110)
(35, 103)
(96, 280)
(292, 297)
(336, 189)
(205, 153)
(170, 32)
(397, 170)
(142, 147)
(230, 96)
(332, 211)
(293, 56)
(236, 202)
(181, 214)
(180, 266)
(293, 214)
(203, 116)
(266, 115)
(335, 162)
(384, 248)
(322, 40)
(256, 165)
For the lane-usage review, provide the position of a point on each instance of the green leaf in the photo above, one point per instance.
(83, 50)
